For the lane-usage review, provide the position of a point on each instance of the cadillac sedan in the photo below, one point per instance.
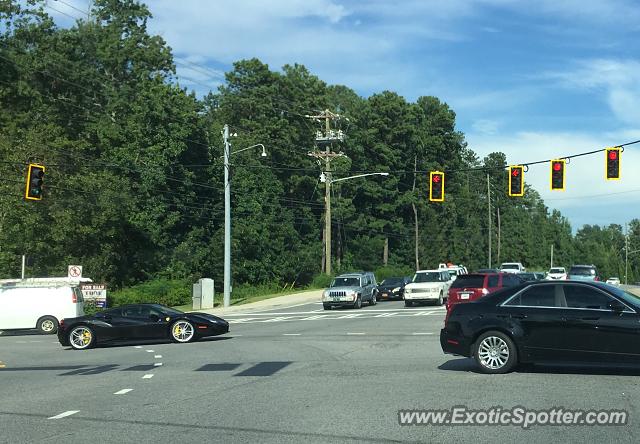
(546, 321)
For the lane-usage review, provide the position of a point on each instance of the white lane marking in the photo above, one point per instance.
(158, 364)
(158, 356)
(421, 333)
(424, 313)
(34, 341)
(290, 334)
(311, 318)
(65, 414)
(350, 316)
(385, 315)
(350, 333)
(138, 346)
(149, 351)
(278, 319)
(149, 376)
(123, 391)
(301, 313)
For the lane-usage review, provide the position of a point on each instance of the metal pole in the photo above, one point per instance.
(327, 198)
(24, 259)
(489, 202)
(626, 258)
(227, 221)
(551, 256)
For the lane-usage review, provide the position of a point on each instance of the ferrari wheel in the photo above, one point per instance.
(182, 331)
(81, 337)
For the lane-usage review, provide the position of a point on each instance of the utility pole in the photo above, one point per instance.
(499, 235)
(626, 255)
(489, 202)
(227, 219)
(551, 256)
(24, 260)
(327, 138)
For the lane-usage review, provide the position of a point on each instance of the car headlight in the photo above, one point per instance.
(433, 290)
(395, 290)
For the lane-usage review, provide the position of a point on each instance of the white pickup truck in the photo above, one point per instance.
(512, 267)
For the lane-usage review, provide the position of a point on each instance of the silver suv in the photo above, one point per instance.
(351, 290)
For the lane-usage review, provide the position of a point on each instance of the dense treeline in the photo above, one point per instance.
(134, 182)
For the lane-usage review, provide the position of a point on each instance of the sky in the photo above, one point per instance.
(537, 79)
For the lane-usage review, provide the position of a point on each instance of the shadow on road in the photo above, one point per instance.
(469, 365)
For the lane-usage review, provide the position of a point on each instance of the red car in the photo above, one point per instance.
(469, 287)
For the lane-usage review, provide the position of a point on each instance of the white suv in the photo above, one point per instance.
(427, 286)
(512, 267)
(557, 273)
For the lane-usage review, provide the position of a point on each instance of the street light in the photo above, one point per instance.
(326, 178)
(227, 212)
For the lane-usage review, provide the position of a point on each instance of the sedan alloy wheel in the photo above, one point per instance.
(495, 352)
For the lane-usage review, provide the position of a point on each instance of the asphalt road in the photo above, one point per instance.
(291, 375)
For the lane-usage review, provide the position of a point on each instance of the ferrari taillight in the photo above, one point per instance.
(74, 297)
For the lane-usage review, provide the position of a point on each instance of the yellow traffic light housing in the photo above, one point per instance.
(612, 163)
(436, 186)
(557, 174)
(35, 175)
(516, 181)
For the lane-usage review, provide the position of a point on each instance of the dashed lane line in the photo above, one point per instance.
(123, 391)
(149, 376)
(2, 364)
(64, 414)
(355, 333)
(290, 334)
(150, 351)
(158, 356)
(157, 364)
(422, 333)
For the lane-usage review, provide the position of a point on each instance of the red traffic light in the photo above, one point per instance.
(436, 178)
(613, 155)
(515, 172)
(557, 166)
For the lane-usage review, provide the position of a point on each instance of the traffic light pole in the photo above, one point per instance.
(489, 202)
(227, 221)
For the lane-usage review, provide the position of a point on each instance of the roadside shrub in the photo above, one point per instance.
(160, 291)
(321, 281)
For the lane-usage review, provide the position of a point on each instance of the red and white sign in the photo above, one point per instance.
(75, 271)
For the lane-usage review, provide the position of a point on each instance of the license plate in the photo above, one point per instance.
(465, 295)
(336, 299)
(384, 295)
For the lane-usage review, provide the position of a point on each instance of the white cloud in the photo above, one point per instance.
(486, 126)
(619, 80)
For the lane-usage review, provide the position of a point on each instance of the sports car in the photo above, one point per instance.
(138, 321)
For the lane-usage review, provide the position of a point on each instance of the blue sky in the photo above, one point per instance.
(534, 79)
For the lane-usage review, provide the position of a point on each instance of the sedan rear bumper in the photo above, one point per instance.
(454, 344)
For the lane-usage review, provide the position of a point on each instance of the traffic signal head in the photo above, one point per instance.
(557, 174)
(436, 186)
(35, 175)
(516, 180)
(613, 163)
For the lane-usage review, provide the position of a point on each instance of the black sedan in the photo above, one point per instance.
(392, 288)
(546, 321)
(138, 321)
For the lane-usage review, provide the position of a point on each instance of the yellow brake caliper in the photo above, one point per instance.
(177, 331)
(86, 337)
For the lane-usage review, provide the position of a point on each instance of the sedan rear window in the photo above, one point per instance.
(557, 270)
(469, 281)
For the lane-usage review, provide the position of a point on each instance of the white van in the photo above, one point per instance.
(26, 306)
